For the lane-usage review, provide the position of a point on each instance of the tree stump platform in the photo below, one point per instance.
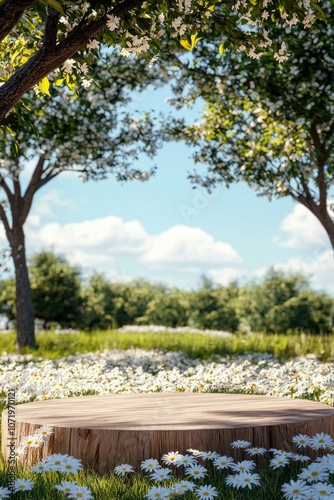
(104, 431)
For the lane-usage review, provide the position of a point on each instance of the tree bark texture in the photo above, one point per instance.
(24, 305)
(105, 431)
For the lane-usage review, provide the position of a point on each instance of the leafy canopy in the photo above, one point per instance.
(40, 37)
(267, 121)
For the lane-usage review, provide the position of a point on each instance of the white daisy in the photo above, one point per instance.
(321, 441)
(23, 484)
(206, 492)
(160, 474)
(123, 469)
(244, 466)
(4, 492)
(295, 490)
(66, 486)
(171, 458)
(314, 472)
(157, 492)
(240, 443)
(150, 465)
(223, 462)
(301, 440)
(196, 471)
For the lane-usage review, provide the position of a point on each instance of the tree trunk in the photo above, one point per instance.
(328, 224)
(320, 212)
(24, 306)
(330, 231)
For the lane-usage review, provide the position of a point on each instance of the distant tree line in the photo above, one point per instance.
(280, 303)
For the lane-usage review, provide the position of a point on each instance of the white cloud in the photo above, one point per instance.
(110, 233)
(100, 243)
(47, 200)
(224, 276)
(187, 247)
(318, 267)
(3, 238)
(303, 230)
(28, 169)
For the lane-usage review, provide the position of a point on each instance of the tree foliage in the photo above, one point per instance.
(170, 308)
(266, 122)
(280, 303)
(56, 290)
(214, 309)
(41, 37)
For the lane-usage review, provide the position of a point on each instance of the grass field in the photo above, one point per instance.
(166, 361)
(283, 347)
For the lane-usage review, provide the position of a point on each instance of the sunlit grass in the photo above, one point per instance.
(137, 485)
(284, 347)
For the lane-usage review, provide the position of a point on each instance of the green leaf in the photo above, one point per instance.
(222, 49)
(321, 14)
(44, 86)
(10, 130)
(59, 81)
(193, 40)
(55, 5)
(185, 44)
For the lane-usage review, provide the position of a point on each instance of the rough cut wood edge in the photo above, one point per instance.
(102, 449)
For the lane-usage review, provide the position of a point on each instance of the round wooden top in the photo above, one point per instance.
(170, 411)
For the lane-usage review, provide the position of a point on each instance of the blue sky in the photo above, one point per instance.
(164, 230)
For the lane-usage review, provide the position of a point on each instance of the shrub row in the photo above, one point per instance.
(279, 303)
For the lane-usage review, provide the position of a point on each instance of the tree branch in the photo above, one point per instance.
(48, 178)
(33, 186)
(51, 30)
(4, 219)
(321, 158)
(6, 188)
(44, 61)
(307, 200)
(329, 133)
(11, 12)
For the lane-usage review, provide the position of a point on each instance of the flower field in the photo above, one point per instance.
(137, 370)
(202, 474)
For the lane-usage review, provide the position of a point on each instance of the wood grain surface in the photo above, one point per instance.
(105, 431)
